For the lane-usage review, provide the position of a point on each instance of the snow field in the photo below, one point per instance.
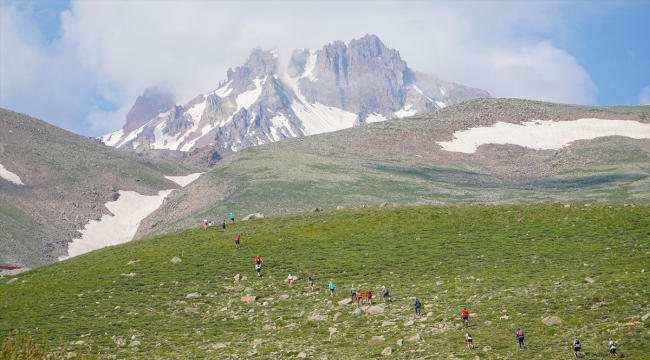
(8, 175)
(544, 135)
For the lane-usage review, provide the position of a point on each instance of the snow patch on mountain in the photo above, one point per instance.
(375, 118)
(408, 110)
(248, 98)
(128, 210)
(544, 135)
(8, 175)
(318, 118)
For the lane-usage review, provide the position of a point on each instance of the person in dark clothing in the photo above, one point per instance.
(418, 305)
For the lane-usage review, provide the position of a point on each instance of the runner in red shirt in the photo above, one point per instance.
(237, 241)
(369, 296)
(258, 260)
(465, 316)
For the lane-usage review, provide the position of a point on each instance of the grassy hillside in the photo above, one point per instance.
(399, 162)
(510, 265)
(68, 178)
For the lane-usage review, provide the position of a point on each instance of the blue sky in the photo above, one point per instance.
(80, 65)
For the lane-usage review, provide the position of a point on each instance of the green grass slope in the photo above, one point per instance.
(510, 265)
(399, 162)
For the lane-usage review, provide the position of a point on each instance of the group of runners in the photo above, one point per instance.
(358, 296)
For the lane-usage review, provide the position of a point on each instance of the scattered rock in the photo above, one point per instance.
(266, 303)
(473, 315)
(340, 207)
(175, 260)
(249, 298)
(132, 262)
(244, 278)
(316, 210)
(336, 316)
(374, 310)
(257, 342)
(589, 280)
(333, 330)
(487, 348)
(120, 342)
(552, 320)
(520, 220)
(302, 355)
(191, 310)
(267, 327)
(80, 342)
(430, 314)
(505, 317)
(357, 311)
(387, 351)
(193, 295)
(317, 317)
(218, 346)
(253, 216)
(645, 317)
(248, 290)
(428, 306)
(134, 343)
(283, 297)
(383, 204)
(408, 323)
(415, 338)
(237, 277)
(400, 342)
(128, 275)
(345, 302)
(488, 323)
(376, 340)
(388, 323)
(439, 282)
(71, 355)
(12, 281)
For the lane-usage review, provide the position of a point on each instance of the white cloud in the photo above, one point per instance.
(115, 49)
(644, 96)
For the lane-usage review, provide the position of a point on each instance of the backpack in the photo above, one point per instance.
(417, 303)
(520, 333)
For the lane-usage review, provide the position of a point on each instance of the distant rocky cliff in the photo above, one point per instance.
(316, 91)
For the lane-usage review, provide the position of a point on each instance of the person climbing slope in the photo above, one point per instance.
(232, 218)
(417, 305)
(332, 287)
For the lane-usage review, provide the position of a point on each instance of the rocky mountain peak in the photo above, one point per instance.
(153, 102)
(338, 86)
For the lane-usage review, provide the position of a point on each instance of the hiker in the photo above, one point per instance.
(290, 280)
(332, 287)
(359, 296)
(223, 225)
(205, 224)
(369, 296)
(520, 337)
(384, 292)
(238, 241)
(353, 293)
(465, 316)
(258, 269)
(612, 348)
(576, 347)
(310, 282)
(232, 218)
(468, 340)
(258, 260)
(418, 305)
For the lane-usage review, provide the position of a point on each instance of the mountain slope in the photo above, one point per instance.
(66, 180)
(316, 91)
(402, 162)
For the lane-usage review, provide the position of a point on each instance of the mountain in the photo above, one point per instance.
(269, 99)
(53, 183)
(518, 151)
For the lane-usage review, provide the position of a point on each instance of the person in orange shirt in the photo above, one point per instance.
(465, 317)
(237, 240)
(369, 296)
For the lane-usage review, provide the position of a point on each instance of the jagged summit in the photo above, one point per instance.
(317, 91)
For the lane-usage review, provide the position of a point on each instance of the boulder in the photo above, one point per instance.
(317, 317)
(387, 351)
(504, 317)
(257, 342)
(552, 320)
(374, 310)
(12, 281)
(589, 280)
(301, 355)
(218, 346)
(336, 316)
(193, 295)
(237, 277)
(175, 260)
(248, 290)
(267, 327)
(408, 323)
(244, 278)
(645, 317)
(414, 338)
(400, 342)
(388, 323)
(357, 311)
(376, 340)
(134, 343)
(340, 207)
(283, 297)
(253, 216)
(249, 298)
(191, 310)
(345, 302)
(487, 348)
